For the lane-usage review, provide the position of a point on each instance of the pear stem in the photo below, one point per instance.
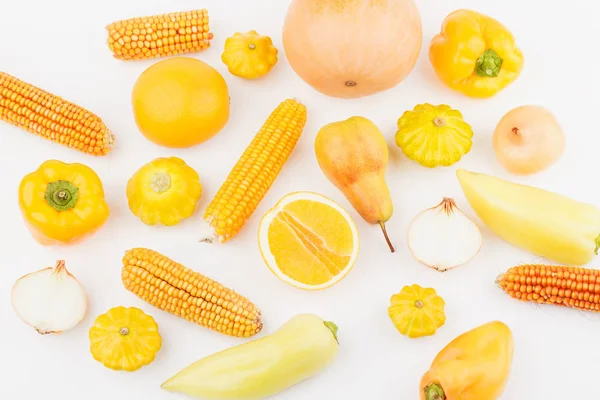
(387, 238)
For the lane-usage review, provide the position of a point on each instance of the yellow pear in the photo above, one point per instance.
(353, 155)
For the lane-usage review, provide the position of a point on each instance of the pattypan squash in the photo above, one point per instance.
(124, 339)
(249, 55)
(417, 311)
(433, 135)
(164, 191)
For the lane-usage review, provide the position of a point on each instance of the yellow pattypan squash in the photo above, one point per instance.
(125, 339)
(249, 55)
(417, 311)
(434, 135)
(164, 191)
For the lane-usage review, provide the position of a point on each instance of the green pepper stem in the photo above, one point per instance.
(61, 195)
(597, 244)
(434, 391)
(333, 328)
(489, 64)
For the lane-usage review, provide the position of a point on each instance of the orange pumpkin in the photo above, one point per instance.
(352, 48)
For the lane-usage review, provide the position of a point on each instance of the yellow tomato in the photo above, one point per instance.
(62, 203)
(475, 54)
(164, 191)
(417, 311)
(124, 339)
(249, 55)
(180, 102)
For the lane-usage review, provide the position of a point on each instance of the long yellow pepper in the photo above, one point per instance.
(546, 224)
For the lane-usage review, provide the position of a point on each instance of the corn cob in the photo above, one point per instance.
(548, 284)
(51, 117)
(255, 171)
(159, 35)
(170, 286)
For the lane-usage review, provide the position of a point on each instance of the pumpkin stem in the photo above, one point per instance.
(350, 83)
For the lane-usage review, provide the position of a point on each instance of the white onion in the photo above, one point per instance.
(50, 300)
(443, 237)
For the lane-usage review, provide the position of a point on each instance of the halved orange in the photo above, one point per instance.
(308, 241)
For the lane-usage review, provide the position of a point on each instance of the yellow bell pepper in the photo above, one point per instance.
(546, 224)
(164, 191)
(475, 54)
(62, 203)
(124, 339)
(249, 55)
(474, 366)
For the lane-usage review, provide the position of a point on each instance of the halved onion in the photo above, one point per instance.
(443, 237)
(50, 300)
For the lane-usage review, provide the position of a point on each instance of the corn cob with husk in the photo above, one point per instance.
(548, 284)
(159, 35)
(53, 118)
(171, 287)
(255, 171)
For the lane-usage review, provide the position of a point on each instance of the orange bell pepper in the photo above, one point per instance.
(62, 203)
(475, 54)
(474, 366)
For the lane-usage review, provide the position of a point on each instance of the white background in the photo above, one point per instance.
(60, 45)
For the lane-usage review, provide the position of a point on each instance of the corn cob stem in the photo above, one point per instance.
(159, 35)
(174, 288)
(53, 118)
(255, 171)
(548, 284)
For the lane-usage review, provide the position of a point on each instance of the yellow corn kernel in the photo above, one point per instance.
(159, 35)
(170, 286)
(549, 284)
(53, 118)
(255, 171)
